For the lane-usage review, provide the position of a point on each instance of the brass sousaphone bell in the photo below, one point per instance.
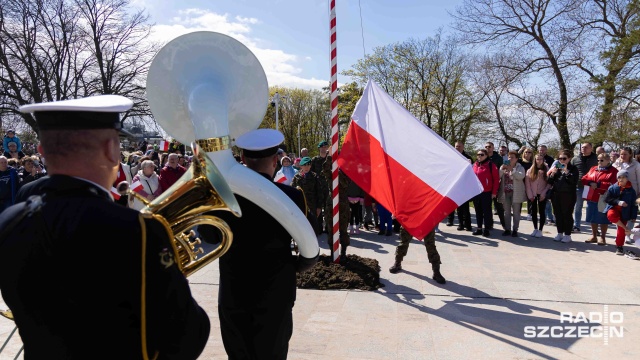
(210, 87)
(180, 209)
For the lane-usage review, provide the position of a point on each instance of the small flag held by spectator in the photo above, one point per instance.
(280, 178)
(136, 186)
(114, 193)
(164, 145)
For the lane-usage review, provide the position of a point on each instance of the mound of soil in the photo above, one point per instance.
(355, 273)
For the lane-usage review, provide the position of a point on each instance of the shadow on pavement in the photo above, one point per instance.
(469, 311)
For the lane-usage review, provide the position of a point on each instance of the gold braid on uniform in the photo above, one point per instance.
(143, 294)
(304, 198)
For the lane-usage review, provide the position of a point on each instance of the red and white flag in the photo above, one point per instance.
(404, 165)
(136, 186)
(280, 178)
(115, 193)
(164, 145)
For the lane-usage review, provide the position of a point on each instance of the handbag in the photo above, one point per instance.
(549, 193)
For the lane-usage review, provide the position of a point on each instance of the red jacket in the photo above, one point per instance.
(603, 179)
(169, 175)
(487, 173)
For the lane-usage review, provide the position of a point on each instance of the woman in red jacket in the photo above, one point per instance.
(596, 182)
(487, 173)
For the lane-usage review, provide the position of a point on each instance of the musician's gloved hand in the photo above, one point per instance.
(304, 264)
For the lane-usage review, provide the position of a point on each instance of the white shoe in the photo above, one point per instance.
(566, 239)
(629, 240)
(558, 237)
(534, 233)
(539, 234)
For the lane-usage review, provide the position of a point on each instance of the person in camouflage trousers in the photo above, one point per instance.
(321, 165)
(308, 181)
(432, 253)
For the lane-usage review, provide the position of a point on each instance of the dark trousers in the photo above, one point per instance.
(538, 208)
(563, 203)
(429, 243)
(500, 209)
(386, 222)
(356, 213)
(464, 216)
(482, 204)
(256, 333)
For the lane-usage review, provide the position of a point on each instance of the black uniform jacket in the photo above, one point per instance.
(72, 274)
(259, 268)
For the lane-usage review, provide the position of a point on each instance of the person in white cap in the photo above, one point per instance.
(83, 276)
(258, 273)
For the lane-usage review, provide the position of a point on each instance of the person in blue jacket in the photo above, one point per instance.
(10, 136)
(621, 207)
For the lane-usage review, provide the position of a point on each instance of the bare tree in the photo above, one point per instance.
(609, 53)
(536, 33)
(62, 49)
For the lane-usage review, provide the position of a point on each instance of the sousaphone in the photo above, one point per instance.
(210, 87)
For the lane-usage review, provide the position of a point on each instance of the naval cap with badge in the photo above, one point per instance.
(93, 112)
(260, 143)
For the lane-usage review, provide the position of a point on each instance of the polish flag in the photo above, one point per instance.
(136, 186)
(280, 178)
(164, 145)
(404, 165)
(114, 193)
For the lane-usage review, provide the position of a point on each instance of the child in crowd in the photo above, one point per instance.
(621, 207)
(10, 136)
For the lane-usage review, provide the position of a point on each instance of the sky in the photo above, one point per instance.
(291, 37)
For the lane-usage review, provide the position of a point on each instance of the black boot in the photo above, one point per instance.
(343, 254)
(397, 266)
(436, 274)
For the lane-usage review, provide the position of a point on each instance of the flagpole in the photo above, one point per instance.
(335, 249)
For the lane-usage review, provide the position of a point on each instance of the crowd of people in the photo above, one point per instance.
(555, 190)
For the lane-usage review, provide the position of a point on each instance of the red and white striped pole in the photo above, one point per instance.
(335, 250)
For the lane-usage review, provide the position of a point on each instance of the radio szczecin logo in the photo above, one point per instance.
(596, 324)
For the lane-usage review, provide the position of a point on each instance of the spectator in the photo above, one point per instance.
(464, 216)
(527, 161)
(563, 176)
(599, 178)
(620, 199)
(286, 170)
(356, 198)
(512, 193)
(386, 221)
(497, 160)
(489, 177)
(304, 152)
(542, 150)
(9, 182)
(614, 156)
(10, 136)
(627, 162)
(584, 162)
(13, 163)
(30, 170)
(150, 184)
(370, 213)
(171, 172)
(504, 153)
(536, 186)
(296, 164)
(13, 152)
(600, 150)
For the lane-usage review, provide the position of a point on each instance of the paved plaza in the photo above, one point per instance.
(495, 288)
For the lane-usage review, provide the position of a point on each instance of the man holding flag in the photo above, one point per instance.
(403, 164)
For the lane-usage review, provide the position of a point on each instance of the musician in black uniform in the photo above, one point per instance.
(84, 277)
(258, 273)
